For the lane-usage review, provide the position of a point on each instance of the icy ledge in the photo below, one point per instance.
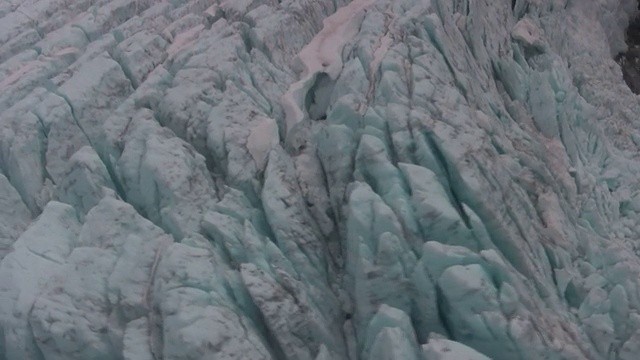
(315, 179)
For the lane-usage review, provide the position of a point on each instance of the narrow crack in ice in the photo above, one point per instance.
(429, 180)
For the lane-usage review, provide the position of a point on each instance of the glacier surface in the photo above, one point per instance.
(316, 179)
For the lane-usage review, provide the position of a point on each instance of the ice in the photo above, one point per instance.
(444, 349)
(14, 218)
(262, 138)
(390, 335)
(139, 54)
(198, 311)
(322, 56)
(315, 179)
(86, 181)
(27, 270)
(135, 341)
(69, 319)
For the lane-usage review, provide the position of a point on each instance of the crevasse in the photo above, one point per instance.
(315, 179)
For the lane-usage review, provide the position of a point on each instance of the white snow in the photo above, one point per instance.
(323, 54)
(262, 138)
(528, 32)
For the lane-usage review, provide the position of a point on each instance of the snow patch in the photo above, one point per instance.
(262, 138)
(182, 39)
(67, 50)
(528, 33)
(323, 54)
(15, 76)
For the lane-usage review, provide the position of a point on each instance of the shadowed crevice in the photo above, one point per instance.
(629, 60)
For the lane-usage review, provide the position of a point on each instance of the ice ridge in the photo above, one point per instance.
(318, 179)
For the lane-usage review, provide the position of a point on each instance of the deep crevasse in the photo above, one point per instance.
(315, 179)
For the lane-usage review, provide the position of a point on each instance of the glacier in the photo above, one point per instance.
(319, 179)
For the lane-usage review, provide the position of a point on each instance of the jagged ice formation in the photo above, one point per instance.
(318, 179)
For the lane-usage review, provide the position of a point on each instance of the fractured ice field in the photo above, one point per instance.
(318, 180)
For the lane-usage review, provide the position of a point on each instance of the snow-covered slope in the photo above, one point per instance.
(318, 179)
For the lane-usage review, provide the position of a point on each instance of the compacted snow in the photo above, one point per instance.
(318, 179)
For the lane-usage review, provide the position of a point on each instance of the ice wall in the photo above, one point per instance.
(315, 179)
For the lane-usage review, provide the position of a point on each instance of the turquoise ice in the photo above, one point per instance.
(315, 180)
